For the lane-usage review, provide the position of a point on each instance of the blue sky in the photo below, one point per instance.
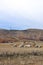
(21, 14)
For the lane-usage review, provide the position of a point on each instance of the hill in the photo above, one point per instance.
(20, 35)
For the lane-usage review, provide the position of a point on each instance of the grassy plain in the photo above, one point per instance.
(10, 55)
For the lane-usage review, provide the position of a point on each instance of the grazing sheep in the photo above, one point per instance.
(28, 46)
(21, 45)
(37, 46)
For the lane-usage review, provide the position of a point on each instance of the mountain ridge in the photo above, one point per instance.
(20, 35)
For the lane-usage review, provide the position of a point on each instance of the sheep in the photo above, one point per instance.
(28, 46)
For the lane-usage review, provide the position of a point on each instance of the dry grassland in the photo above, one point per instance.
(10, 55)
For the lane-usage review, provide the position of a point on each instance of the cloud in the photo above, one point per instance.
(20, 12)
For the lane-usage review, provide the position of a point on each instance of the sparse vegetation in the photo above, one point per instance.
(21, 47)
(20, 56)
(11, 36)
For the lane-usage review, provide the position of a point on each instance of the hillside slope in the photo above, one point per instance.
(20, 35)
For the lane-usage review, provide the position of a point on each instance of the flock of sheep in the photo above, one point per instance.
(27, 45)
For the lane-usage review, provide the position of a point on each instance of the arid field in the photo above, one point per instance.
(21, 47)
(16, 54)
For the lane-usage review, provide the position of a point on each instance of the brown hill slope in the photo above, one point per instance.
(20, 35)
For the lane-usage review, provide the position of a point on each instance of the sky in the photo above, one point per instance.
(21, 14)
